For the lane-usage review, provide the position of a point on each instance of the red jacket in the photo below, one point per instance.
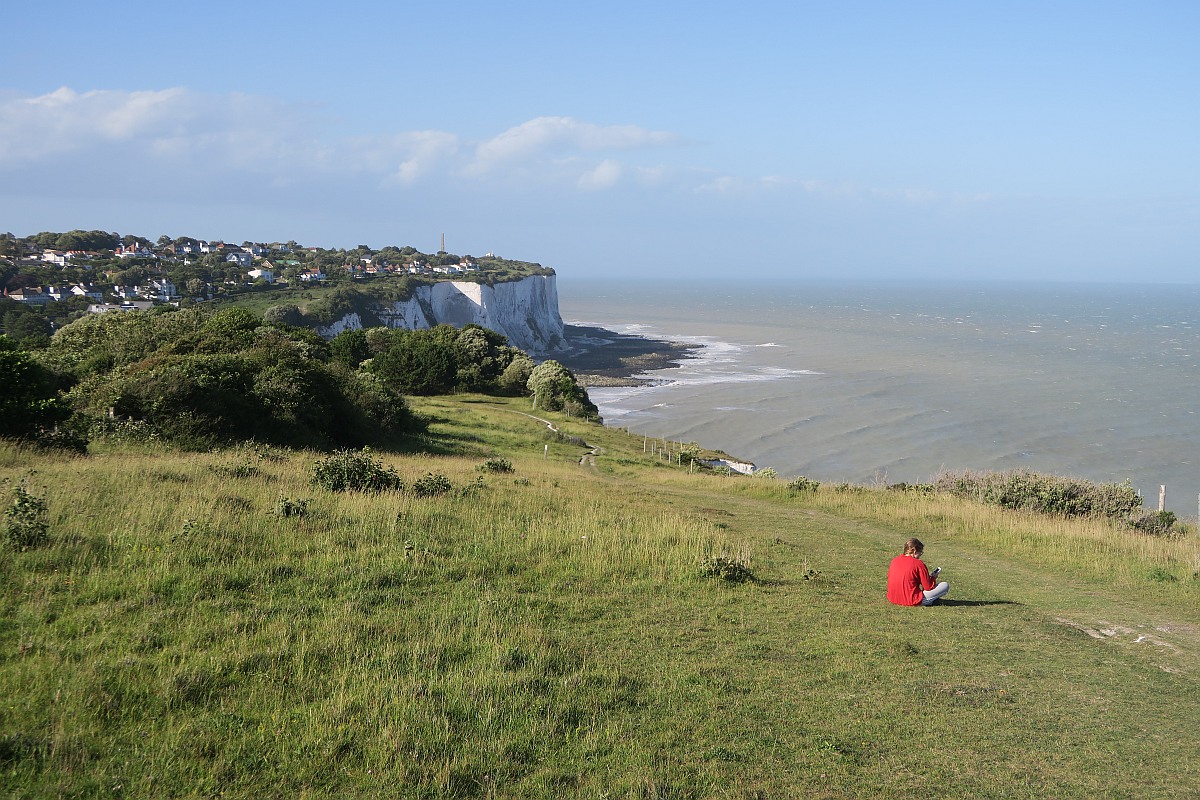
(908, 579)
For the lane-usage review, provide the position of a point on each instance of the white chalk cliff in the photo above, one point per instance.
(525, 311)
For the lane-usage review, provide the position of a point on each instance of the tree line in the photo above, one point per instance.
(199, 378)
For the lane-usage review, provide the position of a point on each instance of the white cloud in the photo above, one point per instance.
(177, 141)
(182, 134)
(543, 137)
(726, 184)
(148, 128)
(65, 121)
(604, 175)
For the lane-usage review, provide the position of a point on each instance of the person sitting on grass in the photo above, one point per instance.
(909, 582)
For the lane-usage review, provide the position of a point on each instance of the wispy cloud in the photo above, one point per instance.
(604, 175)
(179, 136)
(185, 131)
(730, 184)
(546, 137)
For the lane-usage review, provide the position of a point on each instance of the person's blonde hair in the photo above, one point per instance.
(913, 547)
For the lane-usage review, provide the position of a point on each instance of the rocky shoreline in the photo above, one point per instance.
(601, 357)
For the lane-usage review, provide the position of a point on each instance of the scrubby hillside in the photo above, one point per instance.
(540, 611)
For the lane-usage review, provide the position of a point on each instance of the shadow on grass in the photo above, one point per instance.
(947, 602)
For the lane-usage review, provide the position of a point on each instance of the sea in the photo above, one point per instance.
(895, 381)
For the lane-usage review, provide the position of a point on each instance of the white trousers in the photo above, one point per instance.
(935, 594)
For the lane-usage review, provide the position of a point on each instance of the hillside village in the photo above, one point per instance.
(96, 272)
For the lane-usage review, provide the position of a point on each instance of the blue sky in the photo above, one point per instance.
(977, 140)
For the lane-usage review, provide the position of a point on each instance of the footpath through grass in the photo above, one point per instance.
(547, 633)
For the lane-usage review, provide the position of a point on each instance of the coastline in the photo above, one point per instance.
(601, 357)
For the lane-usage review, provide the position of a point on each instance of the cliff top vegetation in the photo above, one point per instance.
(67, 272)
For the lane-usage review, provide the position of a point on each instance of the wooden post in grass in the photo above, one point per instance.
(545, 452)
(1162, 498)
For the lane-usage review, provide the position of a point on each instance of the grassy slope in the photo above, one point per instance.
(548, 636)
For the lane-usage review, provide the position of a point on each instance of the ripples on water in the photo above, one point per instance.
(861, 382)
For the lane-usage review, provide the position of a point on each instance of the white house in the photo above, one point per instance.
(86, 290)
(162, 289)
(133, 251)
(310, 275)
(33, 296)
(128, 305)
(261, 274)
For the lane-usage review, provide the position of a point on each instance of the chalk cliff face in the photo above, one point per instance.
(525, 311)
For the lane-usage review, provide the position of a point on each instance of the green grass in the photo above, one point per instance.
(548, 634)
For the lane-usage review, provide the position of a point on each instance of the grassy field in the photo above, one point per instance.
(548, 633)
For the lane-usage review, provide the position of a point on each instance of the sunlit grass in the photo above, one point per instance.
(547, 633)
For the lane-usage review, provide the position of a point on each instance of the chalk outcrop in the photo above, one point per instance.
(525, 311)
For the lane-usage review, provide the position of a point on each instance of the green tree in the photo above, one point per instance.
(515, 377)
(284, 314)
(554, 388)
(482, 355)
(418, 362)
(29, 403)
(227, 382)
(350, 348)
(27, 328)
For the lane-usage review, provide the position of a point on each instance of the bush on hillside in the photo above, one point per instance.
(440, 360)
(496, 465)
(30, 409)
(431, 485)
(1156, 523)
(228, 378)
(25, 522)
(355, 471)
(802, 484)
(1045, 494)
(734, 568)
(554, 388)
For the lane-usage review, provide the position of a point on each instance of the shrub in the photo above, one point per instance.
(1046, 494)
(766, 472)
(496, 465)
(689, 454)
(242, 470)
(1156, 523)
(354, 471)
(732, 568)
(1160, 575)
(515, 377)
(553, 385)
(29, 404)
(915, 488)
(802, 484)
(286, 507)
(431, 485)
(25, 523)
